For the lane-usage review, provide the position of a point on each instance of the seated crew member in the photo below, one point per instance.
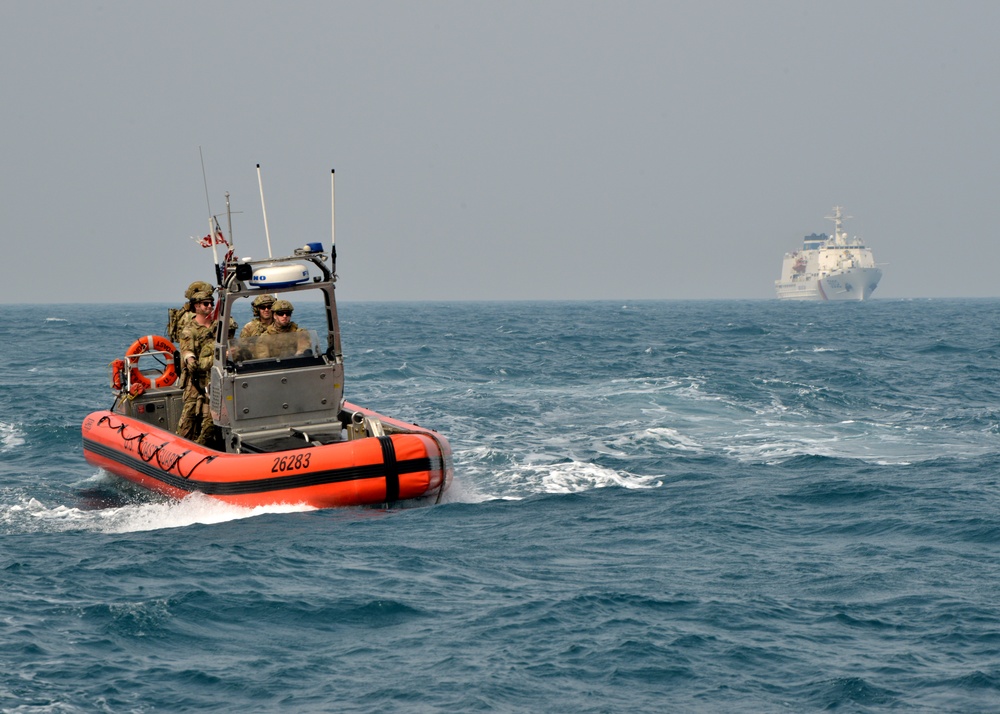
(284, 338)
(263, 317)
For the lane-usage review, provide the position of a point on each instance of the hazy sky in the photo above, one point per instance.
(499, 150)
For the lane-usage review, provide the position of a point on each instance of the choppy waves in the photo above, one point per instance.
(99, 513)
(11, 437)
(736, 506)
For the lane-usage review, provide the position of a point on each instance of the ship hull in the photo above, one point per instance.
(855, 284)
(412, 463)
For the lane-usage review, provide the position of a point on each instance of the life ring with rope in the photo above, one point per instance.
(148, 343)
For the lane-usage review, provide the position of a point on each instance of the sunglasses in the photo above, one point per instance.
(207, 303)
(263, 307)
(282, 313)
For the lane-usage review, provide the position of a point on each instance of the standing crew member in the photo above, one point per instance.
(178, 317)
(196, 342)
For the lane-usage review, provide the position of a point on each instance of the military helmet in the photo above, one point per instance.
(198, 286)
(282, 305)
(262, 301)
(200, 295)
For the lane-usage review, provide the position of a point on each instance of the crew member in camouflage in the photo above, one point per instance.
(263, 317)
(197, 341)
(178, 317)
(284, 338)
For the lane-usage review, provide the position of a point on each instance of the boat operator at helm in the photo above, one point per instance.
(263, 316)
(284, 338)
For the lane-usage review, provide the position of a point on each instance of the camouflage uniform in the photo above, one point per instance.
(177, 320)
(287, 341)
(179, 317)
(196, 418)
(256, 328)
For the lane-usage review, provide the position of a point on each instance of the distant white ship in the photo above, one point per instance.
(827, 268)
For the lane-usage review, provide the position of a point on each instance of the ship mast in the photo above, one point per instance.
(839, 235)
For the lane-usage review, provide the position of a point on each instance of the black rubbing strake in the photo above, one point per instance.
(278, 483)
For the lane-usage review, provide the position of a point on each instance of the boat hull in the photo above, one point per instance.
(409, 462)
(855, 284)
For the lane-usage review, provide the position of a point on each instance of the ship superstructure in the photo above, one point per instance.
(829, 268)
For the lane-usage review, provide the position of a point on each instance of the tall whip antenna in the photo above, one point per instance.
(229, 219)
(211, 220)
(333, 222)
(267, 233)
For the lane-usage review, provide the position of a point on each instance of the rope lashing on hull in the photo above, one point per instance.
(154, 451)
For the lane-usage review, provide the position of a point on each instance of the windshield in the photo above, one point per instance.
(277, 329)
(277, 345)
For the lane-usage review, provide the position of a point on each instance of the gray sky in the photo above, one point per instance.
(499, 150)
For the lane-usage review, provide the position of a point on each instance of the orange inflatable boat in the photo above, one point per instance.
(282, 431)
(404, 463)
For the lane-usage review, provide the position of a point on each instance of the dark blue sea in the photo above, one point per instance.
(658, 506)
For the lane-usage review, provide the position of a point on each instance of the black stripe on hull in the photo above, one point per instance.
(278, 483)
(391, 469)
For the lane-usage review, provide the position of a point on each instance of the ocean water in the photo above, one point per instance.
(658, 506)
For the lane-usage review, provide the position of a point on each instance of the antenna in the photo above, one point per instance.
(267, 233)
(211, 220)
(205, 179)
(333, 224)
(229, 219)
